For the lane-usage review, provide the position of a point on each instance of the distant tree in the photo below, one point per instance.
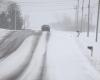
(16, 21)
(11, 18)
(3, 21)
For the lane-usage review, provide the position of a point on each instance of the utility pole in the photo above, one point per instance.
(15, 19)
(82, 15)
(88, 29)
(97, 21)
(24, 25)
(77, 14)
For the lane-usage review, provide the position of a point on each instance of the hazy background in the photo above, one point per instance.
(60, 14)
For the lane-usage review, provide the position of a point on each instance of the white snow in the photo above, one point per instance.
(83, 42)
(16, 61)
(65, 61)
(34, 70)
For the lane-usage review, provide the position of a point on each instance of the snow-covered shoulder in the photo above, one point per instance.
(65, 60)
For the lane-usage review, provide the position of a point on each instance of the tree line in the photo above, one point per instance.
(11, 18)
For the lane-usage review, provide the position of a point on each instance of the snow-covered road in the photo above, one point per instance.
(63, 60)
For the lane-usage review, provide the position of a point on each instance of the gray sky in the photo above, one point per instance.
(48, 11)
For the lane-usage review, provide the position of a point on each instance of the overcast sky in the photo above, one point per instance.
(42, 12)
